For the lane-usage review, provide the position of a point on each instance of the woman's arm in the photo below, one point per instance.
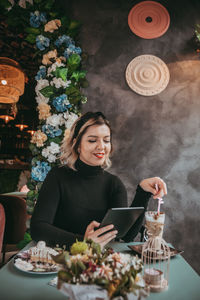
(141, 199)
(150, 186)
(42, 227)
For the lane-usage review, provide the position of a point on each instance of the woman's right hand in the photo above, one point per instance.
(97, 235)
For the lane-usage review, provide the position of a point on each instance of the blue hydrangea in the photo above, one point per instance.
(42, 42)
(72, 49)
(40, 171)
(63, 39)
(41, 74)
(61, 103)
(51, 131)
(37, 18)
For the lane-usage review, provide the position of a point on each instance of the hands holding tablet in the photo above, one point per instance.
(105, 234)
(100, 235)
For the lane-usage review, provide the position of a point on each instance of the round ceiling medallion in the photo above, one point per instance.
(147, 75)
(148, 19)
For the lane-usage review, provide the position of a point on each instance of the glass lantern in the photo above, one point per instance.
(155, 253)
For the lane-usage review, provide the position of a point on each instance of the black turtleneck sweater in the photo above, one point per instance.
(69, 200)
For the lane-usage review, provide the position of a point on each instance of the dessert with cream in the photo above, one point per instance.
(37, 259)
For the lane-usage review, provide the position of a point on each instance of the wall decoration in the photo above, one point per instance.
(147, 75)
(149, 19)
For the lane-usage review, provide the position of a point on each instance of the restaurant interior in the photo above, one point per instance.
(102, 56)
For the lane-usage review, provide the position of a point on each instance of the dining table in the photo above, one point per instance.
(184, 282)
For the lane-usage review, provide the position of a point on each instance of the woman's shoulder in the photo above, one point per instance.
(114, 178)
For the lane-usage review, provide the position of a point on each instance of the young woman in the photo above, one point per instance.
(75, 197)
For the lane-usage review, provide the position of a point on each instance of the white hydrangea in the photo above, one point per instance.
(55, 120)
(70, 118)
(58, 82)
(51, 151)
(53, 67)
(51, 158)
(42, 83)
(54, 148)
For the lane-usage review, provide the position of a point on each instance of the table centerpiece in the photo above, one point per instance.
(87, 272)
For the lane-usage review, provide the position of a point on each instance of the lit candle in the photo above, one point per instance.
(153, 276)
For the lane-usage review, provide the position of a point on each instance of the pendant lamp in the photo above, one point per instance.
(12, 80)
(8, 112)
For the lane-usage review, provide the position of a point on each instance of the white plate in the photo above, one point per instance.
(20, 255)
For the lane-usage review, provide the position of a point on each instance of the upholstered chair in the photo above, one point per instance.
(15, 225)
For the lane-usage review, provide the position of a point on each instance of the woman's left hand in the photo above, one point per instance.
(154, 185)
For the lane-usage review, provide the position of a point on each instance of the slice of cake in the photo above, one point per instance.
(42, 253)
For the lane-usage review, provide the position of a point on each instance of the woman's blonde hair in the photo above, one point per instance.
(70, 145)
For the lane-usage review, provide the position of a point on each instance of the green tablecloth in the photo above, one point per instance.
(184, 282)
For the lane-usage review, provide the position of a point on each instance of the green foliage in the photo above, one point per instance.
(61, 73)
(197, 31)
(47, 91)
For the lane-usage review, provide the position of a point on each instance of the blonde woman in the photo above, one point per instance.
(75, 197)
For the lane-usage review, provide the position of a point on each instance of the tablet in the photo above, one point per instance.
(123, 218)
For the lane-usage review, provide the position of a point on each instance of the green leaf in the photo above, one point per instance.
(31, 38)
(47, 91)
(74, 60)
(5, 4)
(32, 30)
(61, 73)
(30, 185)
(84, 83)
(77, 75)
(49, 4)
(74, 24)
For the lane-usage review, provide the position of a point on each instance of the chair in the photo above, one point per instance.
(15, 225)
(2, 225)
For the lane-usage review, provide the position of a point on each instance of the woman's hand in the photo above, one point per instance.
(95, 234)
(154, 185)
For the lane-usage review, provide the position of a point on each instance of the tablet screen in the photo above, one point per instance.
(123, 218)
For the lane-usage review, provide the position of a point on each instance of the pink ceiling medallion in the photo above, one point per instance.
(148, 19)
(147, 75)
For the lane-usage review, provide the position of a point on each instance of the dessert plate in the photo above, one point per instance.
(138, 249)
(23, 263)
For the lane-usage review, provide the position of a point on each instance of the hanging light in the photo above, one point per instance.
(31, 132)
(12, 80)
(6, 118)
(21, 126)
(8, 112)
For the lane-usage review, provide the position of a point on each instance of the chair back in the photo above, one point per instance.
(2, 225)
(15, 212)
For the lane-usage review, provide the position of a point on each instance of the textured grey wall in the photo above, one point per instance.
(154, 136)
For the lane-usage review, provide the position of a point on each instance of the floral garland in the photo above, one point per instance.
(58, 97)
(59, 81)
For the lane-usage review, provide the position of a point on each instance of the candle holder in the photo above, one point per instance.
(155, 253)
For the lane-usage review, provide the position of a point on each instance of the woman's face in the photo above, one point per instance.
(95, 145)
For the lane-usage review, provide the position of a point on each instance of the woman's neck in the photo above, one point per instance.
(86, 169)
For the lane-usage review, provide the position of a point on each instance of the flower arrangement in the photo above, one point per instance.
(85, 264)
(59, 79)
